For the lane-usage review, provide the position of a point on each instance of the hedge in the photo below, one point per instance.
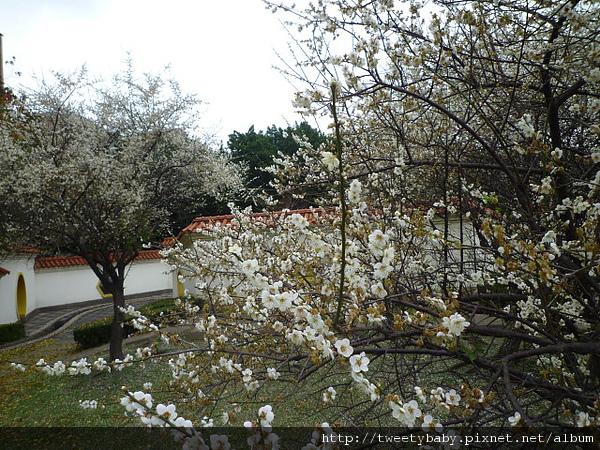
(97, 333)
(10, 332)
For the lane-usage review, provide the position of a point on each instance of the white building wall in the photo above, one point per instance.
(148, 276)
(17, 265)
(469, 254)
(62, 286)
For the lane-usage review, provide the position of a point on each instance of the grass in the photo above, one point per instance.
(34, 399)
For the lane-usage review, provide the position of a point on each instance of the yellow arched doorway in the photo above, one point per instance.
(21, 297)
(180, 286)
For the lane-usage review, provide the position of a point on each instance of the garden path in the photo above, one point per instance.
(59, 323)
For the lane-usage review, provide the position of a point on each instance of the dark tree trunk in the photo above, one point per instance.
(110, 269)
(116, 331)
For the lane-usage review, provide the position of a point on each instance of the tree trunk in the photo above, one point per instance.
(116, 331)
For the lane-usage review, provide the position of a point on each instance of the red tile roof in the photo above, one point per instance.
(52, 262)
(169, 241)
(200, 224)
(22, 249)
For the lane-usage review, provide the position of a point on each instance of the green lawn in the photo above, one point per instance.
(32, 398)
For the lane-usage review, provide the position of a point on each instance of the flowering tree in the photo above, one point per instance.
(97, 170)
(452, 276)
(463, 238)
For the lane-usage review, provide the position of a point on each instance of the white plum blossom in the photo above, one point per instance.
(235, 249)
(206, 422)
(378, 241)
(79, 367)
(382, 270)
(593, 76)
(378, 290)
(296, 337)
(515, 419)
(143, 399)
(247, 375)
(526, 128)
(430, 424)
(266, 415)
(101, 365)
(19, 367)
(329, 395)
(455, 324)
(302, 100)
(298, 221)
(406, 413)
(388, 255)
(88, 404)
(330, 161)
(344, 348)
(583, 419)
(354, 192)
(420, 394)
(452, 398)
(166, 411)
(250, 266)
(272, 373)
(359, 363)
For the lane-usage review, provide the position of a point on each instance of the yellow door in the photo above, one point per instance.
(21, 297)
(180, 286)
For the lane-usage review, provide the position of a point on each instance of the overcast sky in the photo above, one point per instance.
(221, 50)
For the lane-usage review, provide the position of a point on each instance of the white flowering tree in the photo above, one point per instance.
(452, 276)
(95, 170)
(481, 114)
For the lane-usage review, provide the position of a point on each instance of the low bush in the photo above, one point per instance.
(11, 332)
(97, 333)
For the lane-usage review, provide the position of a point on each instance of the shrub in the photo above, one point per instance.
(11, 332)
(97, 333)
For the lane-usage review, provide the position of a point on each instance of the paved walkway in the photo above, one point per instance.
(59, 323)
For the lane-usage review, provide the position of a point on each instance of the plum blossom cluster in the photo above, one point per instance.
(373, 282)
(265, 278)
(139, 321)
(85, 367)
(88, 404)
(141, 403)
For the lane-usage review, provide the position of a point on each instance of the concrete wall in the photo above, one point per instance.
(149, 276)
(57, 287)
(61, 286)
(20, 267)
(469, 254)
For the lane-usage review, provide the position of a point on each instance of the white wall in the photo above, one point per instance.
(470, 242)
(16, 264)
(60, 286)
(149, 276)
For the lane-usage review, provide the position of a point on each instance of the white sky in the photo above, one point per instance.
(221, 50)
